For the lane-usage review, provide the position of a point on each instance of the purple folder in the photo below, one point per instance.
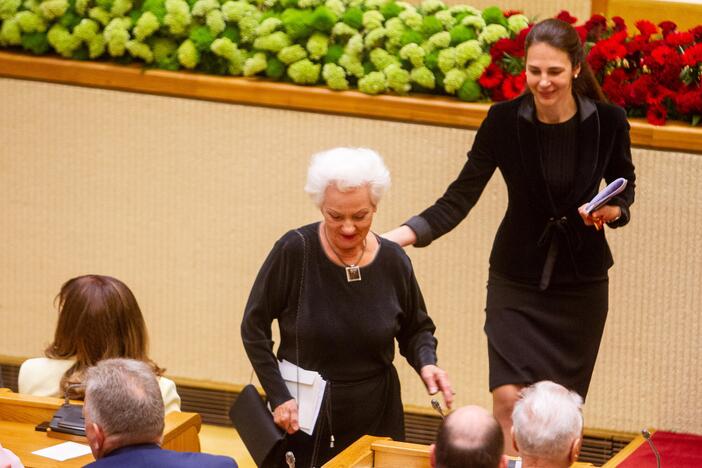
(606, 195)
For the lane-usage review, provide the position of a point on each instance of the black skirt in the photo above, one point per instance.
(536, 335)
(350, 410)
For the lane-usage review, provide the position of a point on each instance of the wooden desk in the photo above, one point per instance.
(382, 452)
(19, 414)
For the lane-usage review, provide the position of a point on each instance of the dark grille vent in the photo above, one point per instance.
(213, 405)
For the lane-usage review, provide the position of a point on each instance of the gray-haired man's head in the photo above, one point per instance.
(123, 405)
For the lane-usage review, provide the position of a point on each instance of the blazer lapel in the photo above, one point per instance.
(588, 152)
(528, 142)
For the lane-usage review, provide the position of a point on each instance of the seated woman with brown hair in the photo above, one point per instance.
(99, 318)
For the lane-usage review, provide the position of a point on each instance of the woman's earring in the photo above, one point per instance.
(575, 77)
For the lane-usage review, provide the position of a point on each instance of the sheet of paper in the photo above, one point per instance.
(64, 451)
(311, 386)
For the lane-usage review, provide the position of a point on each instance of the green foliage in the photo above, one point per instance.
(410, 36)
(432, 60)
(494, 15)
(201, 37)
(35, 42)
(390, 9)
(275, 69)
(353, 17)
(470, 91)
(157, 7)
(334, 53)
(462, 33)
(297, 23)
(323, 19)
(431, 25)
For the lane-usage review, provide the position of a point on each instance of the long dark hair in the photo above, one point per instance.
(99, 318)
(562, 36)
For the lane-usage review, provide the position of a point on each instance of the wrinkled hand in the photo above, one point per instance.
(436, 379)
(598, 218)
(285, 416)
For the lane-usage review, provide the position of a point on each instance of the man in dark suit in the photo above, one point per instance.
(469, 437)
(124, 419)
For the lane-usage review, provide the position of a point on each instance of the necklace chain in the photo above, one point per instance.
(363, 250)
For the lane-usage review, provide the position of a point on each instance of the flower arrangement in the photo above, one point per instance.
(376, 46)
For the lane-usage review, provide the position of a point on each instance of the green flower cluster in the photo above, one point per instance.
(375, 46)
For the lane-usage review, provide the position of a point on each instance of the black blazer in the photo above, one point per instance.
(533, 229)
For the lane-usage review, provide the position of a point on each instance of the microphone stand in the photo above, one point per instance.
(437, 406)
(647, 435)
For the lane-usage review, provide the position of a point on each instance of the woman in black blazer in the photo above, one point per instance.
(548, 267)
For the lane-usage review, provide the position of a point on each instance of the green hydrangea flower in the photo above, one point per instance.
(235, 11)
(188, 55)
(453, 80)
(447, 59)
(372, 19)
(374, 38)
(475, 69)
(62, 41)
(272, 42)
(116, 35)
(8, 8)
(477, 22)
(343, 30)
(318, 45)
(398, 79)
(447, 19)
(423, 77)
(96, 46)
(227, 49)
(493, 33)
(470, 91)
(177, 17)
(335, 77)
(337, 7)
(412, 19)
(255, 64)
(30, 22)
(381, 59)
(215, 21)
(120, 7)
(373, 83)
(304, 72)
(202, 7)
(440, 40)
(10, 33)
(51, 9)
(292, 54)
(140, 50)
(86, 30)
(268, 26)
(429, 7)
(100, 15)
(247, 29)
(467, 51)
(352, 64)
(516, 23)
(414, 53)
(146, 25)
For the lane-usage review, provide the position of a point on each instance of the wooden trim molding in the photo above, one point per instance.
(432, 110)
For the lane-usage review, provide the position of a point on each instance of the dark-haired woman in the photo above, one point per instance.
(548, 267)
(99, 318)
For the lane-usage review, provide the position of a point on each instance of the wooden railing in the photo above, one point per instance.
(432, 110)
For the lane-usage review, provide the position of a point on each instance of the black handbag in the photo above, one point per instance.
(252, 419)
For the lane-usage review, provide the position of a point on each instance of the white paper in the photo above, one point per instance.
(64, 451)
(311, 385)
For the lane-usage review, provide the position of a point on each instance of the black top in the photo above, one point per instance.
(559, 154)
(534, 227)
(346, 330)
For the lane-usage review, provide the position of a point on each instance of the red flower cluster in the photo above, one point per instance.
(653, 73)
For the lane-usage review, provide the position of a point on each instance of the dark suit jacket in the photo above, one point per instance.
(151, 455)
(508, 140)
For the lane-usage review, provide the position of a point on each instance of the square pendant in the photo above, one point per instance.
(353, 273)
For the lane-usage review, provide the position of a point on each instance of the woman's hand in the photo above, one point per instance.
(598, 218)
(402, 235)
(436, 379)
(285, 416)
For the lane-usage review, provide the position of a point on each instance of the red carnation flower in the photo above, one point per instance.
(646, 27)
(506, 46)
(639, 90)
(689, 102)
(697, 33)
(679, 39)
(582, 32)
(596, 21)
(513, 85)
(619, 24)
(657, 94)
(491, 77)
(656, 114)
(663, 55)
(611, 50)
(565, 16)
(521, 37)
(596, 59)
(693, 55)
(667, 27)
(613, 90)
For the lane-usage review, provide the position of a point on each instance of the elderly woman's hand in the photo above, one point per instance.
(597, 218)
(285, 416)
(402, 235)
(436, 379)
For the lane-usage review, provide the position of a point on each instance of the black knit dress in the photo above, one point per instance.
(346, 331)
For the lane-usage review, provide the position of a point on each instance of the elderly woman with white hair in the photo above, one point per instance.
(357, 294)
(547, 426)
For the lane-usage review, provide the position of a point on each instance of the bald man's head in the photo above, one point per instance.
(469, 437)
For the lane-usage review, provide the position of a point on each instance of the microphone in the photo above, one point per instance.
(437, 406)
(290, 459)
(647, 435)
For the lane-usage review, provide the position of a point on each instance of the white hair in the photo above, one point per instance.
(347, 168)
(547, 419)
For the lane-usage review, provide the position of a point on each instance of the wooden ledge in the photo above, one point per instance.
(432, 110)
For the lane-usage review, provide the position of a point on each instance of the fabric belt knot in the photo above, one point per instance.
(553, 226)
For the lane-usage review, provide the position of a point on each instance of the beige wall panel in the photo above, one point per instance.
(182, 199)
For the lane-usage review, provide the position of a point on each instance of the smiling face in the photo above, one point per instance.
(550, 79)
(347, 217)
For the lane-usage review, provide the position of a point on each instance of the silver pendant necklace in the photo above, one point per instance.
(353, 271)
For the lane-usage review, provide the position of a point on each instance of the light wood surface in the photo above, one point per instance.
(19, 414)
(686, 14)
(432, 110)
(626, 451)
